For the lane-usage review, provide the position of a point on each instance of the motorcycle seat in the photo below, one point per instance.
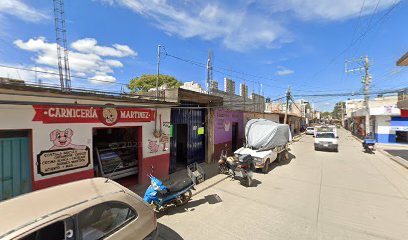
(180, 185)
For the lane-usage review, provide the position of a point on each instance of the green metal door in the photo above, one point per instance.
(15, 168)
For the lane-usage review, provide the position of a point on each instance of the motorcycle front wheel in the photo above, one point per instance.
(222, 169)
(249, 180)
(184, 198)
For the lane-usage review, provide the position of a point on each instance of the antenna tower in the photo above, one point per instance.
(209, 71)
(61, 40)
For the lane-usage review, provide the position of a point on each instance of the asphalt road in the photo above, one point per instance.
(316, 195)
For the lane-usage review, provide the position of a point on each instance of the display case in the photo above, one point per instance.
(117, 160)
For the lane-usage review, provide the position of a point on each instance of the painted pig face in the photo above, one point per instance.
(61, 138)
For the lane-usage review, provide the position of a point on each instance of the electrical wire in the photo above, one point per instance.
(359, 38)
(57, 74)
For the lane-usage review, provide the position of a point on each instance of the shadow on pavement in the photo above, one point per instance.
(277, 163)
(191, 205)
(254, 183)
(166, 233)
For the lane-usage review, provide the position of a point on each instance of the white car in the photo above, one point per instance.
(310, 131)
(326, 140)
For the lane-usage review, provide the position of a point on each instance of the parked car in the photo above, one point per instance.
(326, 140)
(266, 141)
(310, 130)
(89, 209)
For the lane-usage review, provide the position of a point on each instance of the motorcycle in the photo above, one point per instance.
(368, 143)
(241, 167)
(160, 196)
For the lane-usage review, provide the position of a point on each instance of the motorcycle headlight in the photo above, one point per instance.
(154, 185)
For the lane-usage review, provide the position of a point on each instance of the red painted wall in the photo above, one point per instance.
(161, 165)
(63, 179)
(404, 113)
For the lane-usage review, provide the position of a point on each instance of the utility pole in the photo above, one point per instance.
(158, 72)
(342, 114)
(366, 97)
(362, 65)
(209, 71)
(287, 105)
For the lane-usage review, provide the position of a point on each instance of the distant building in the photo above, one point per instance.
(193, 86)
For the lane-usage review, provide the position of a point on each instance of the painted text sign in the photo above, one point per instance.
(61, 160)
(108, 115)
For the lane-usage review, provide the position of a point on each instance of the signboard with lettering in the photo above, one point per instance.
(399, 128)
(61, 160)
(108, 115)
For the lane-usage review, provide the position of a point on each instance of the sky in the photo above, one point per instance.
(266, 44)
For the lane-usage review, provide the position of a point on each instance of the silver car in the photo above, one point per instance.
(88, 209)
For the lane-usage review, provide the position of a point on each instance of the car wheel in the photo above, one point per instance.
(266, 166)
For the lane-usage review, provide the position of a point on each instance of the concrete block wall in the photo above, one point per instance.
(254, 103)
(243, 90)
(229, 86)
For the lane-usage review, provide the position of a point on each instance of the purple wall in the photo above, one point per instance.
(223, 120)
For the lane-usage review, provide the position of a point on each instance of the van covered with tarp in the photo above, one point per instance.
(262, 134)
(266, 141)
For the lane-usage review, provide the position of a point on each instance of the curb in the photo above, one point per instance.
(209, 186)
(297, 138)
(396, 159)
(358, 139)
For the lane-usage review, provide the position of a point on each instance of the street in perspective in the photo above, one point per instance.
(170, 120)
(314, 195)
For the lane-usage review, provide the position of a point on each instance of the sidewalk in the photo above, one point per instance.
(211, 178)
(395, 152)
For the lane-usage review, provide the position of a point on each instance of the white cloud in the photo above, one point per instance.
(236, 27)
(89, 45)
(245, 24)
(87, 61)
(102, 78)
(283, 71)
(21, 10)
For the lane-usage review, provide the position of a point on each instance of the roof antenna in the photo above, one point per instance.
(114, 170)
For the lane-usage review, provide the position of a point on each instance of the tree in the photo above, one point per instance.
(148, 81)
(337, 110)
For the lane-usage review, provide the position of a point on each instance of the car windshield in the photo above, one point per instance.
(310, 128)
(325, 135)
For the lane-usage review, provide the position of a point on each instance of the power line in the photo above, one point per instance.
(359, 38)
(57, 74)
(225, 71)
(349, 93)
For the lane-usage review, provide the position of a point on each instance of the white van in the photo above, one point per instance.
(326, 140)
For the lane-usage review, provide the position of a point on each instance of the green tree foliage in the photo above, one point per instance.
(337, 110)
(148, 81)
(325, 114)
